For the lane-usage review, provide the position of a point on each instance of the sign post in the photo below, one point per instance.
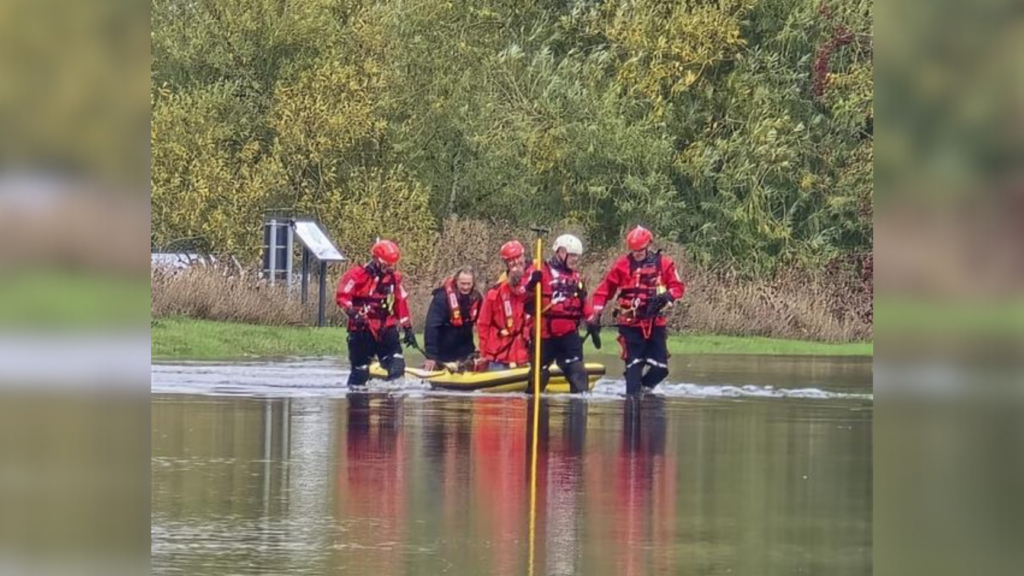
(315, 244)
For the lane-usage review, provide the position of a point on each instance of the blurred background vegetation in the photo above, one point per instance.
(741, 130)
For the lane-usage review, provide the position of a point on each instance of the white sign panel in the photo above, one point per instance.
(314, 238)
(178, 260)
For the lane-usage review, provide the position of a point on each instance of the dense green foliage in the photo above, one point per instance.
(739, 128)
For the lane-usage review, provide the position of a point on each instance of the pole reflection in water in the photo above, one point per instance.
(538, 413)
(559, 478)
(391, 485)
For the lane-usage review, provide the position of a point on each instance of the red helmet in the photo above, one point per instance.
(387, 251)
(639, 238)
(511, 250)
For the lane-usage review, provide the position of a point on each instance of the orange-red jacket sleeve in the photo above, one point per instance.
(485, 323)
(608, 287)
(348, 285)
(588, 307)
(402, 303)
(670, 278)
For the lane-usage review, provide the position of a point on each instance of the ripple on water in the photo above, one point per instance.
(326, 378)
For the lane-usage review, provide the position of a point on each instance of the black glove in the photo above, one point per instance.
(535, 277)
(357, 318)
(409, 338)
(656, 304)
(594, 332)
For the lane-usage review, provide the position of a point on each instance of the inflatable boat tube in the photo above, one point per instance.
(513, 380)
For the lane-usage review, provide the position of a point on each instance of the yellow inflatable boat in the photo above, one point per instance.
(513, 380)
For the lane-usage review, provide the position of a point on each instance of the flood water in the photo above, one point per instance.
(741, 465)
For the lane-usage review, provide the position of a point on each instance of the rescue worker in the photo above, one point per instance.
(564, 305)
(451, 319)
(501, 326)
(646, 282)
(375, 301)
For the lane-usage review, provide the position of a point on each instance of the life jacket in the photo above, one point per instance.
(454, 311)
(502, 331)
(644, 283)
(508, 320)
(378, 298)
(564, 294)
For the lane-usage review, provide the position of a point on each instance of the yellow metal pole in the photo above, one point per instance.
(538, 312)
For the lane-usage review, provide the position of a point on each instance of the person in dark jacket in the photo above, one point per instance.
(448, 334)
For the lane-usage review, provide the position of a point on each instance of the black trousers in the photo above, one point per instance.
(640, 353)
(362, 347)
(567, 352)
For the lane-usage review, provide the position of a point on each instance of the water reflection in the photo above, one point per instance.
(371, 486)
(499, 449)
(645, 485)
(562, 485)
(394, 484)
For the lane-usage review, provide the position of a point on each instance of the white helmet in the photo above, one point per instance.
(571, 244)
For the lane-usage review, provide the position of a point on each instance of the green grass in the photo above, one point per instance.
(711, 344)
(56, 298)
(207, 340)
(932, 317)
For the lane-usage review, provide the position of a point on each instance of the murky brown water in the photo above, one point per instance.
(744, 466)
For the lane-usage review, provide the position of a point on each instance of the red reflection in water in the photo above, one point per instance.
(473, 466)
(644, 491)
(372, 498)
(498, 449)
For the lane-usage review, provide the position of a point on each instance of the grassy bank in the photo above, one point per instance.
(188, 339)
(57, 298)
